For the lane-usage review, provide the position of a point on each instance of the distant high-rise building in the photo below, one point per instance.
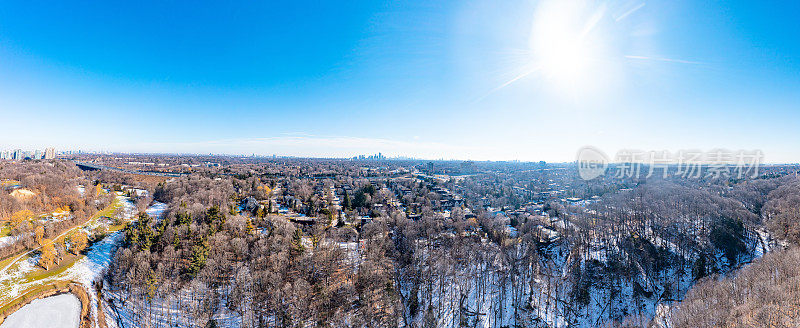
(50, 153)
(18, 155)
(37, 154)
(5, 155)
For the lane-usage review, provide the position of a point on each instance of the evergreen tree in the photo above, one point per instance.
(183, 218)
(297, 243)
(346, 202)
(199, 257)
(215, 218)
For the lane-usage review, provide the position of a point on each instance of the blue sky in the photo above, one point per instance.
(477, 79)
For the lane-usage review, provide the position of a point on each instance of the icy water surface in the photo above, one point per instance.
(60, 311)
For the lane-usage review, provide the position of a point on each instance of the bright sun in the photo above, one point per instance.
(568, 44)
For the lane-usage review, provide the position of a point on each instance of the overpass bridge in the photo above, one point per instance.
(95, 167)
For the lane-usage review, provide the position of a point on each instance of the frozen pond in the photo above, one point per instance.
(60, 311)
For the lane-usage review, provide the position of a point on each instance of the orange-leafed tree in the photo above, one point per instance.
(63, 209)
(21, 216)
(78, 242)
(39, 234)
(48, 254)
(265, 188)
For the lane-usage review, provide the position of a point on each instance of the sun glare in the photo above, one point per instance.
(568, 44)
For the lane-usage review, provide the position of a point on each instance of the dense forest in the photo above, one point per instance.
(763, 294)
(302, 243)
(403, 252)
(203, 259)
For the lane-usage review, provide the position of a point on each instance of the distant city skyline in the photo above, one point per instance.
(19, 154)
(479, 80)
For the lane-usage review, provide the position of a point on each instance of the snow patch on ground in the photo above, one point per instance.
(156, 210)
(8, 240)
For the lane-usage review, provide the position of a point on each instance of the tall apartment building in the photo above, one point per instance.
(50, 153)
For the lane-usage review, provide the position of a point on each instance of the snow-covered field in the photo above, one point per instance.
(60, 311)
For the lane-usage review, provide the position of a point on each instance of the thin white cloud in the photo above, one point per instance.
(629, 12)
(670, 60)
(528, 70)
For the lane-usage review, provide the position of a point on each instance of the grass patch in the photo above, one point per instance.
(5, 230)
(60, 268)
(109, 211)
(117, 227)
(11, 257)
